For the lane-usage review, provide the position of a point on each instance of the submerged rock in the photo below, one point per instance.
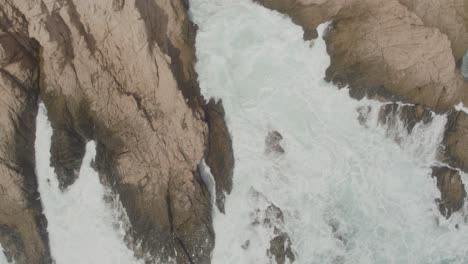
(451, 188)
(272, 143)
(410, 115)
(271, 217)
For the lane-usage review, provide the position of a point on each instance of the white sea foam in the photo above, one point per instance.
(82, 227)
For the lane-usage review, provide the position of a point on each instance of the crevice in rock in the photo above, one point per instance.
(173, 231)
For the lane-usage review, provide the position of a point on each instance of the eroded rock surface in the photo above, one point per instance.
(120, 73)
(23, 227)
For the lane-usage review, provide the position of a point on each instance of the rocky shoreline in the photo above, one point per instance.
(122, 73)
(406, 50)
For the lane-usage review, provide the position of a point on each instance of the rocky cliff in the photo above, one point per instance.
(120, 73)
(23, 228)
(405, 50)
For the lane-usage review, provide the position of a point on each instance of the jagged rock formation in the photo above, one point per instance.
(270, 217)
(456, 140)
(402, 50)
(121, 73)
(411, 115)
(451, 188)
(23, 227)
(219, 156)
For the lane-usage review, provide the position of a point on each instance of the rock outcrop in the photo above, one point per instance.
(120, 73)
(23, 227)
(456, 140)
(451, 188)
(220, 155)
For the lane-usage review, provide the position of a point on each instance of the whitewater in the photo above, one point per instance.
(352, 191)
(336, 171)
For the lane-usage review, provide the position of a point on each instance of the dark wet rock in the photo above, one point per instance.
(410, 115)
(67, 152)
(272, 143)
(271, 217)
(363, 114)
(456, 140)
(23, 227)
(451, 188)
(219, 156)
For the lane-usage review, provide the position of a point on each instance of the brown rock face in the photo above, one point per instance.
(456, 140)
(219, 156)
(120, 73)
(272, 143)
(381, 47)
(23, 227)
(449, 17)
(451, 188)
